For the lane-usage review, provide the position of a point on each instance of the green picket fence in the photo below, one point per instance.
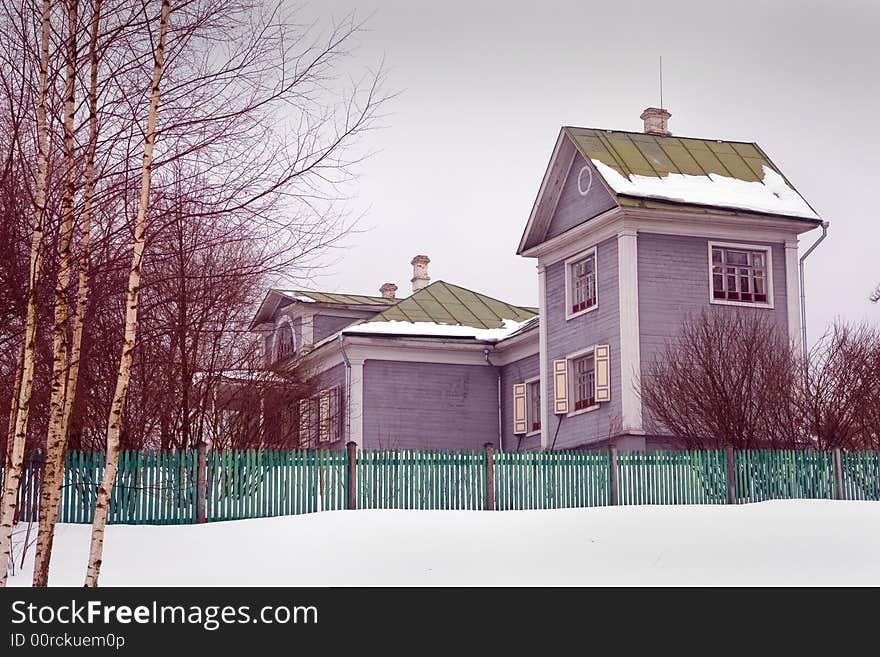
(784, 474)
(157, 488)
(261, 484)
(162, 487)
(425, 480)
(551, 480)
(674, 477)
(861, 475)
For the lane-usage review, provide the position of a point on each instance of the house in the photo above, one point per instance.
(632, 232)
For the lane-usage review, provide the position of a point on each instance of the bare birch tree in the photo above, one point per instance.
(102, 502)
(22, 405)
(56, 441)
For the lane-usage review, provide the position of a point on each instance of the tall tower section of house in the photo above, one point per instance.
(632, 233)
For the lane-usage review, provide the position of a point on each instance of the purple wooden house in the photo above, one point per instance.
(631, 232)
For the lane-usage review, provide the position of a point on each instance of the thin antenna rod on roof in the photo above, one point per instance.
(661, 81)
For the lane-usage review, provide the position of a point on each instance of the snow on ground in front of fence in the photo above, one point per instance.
(795, 542)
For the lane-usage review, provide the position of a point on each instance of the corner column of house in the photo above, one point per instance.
(630, 353)
(542, 357)
(355, 405)
(793, 292)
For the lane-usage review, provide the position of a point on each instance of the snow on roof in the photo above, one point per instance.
(433, 329)
(771, 195)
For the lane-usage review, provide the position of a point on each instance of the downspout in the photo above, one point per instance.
(824, 234)
(500, 421)
(347, 386)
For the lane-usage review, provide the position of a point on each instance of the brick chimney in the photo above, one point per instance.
(420, 272)
(388, 291)
(655, 121)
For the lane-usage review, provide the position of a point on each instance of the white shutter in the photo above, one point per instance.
(519, 408)
(334, 414)
(324, 416)
(560, 386)
(602, 379)
(304, 425)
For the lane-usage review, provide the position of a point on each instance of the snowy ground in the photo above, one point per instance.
(773, 543)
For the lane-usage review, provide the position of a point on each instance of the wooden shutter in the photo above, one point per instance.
(334, 414)
(602, 378)
(324, 416)
(560, 386)
(519, 408)
(304, 425)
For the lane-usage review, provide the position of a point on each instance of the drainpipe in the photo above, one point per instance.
(824, 234)
(500, 421)
(347, 386)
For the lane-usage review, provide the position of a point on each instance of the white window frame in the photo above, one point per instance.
(569, 282)
(768, 263)
(572, 384)
(529, 419)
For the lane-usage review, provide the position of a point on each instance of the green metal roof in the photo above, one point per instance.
(656, 155)
(444, 303)
(347, 299)
(637, 153)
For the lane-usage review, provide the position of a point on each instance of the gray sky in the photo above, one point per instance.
(485, 87)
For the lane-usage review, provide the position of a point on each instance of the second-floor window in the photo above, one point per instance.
(581, 284)
(285, 343)
(584, 382)
(740, 275)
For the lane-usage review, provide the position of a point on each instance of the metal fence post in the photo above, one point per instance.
(351, 502)
(838, 474)
(612, 480)
(202, 483)
(731, 476)
(490, 477)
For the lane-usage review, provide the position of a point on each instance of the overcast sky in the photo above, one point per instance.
(485, 86)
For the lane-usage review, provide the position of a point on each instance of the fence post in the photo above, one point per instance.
(202, 482)
(351, 446)
(838, 475)
(490, 477)
(731, 476)
(612, 480)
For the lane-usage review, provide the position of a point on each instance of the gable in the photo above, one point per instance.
(560, 187)
(583, 197)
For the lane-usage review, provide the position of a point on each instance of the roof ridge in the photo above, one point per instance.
(645, 134)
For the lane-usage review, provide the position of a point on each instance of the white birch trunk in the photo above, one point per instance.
(102, 503)
(56, 440)
(22, 405)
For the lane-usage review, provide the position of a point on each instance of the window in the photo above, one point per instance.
(580, 274)
(285, 343)
(533, 398)
(740, 275)
(320, 418)
(584, 382)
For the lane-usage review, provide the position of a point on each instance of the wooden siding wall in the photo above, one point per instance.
(600, 326)
(429, 405)
(326, 325)
(674, 285)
